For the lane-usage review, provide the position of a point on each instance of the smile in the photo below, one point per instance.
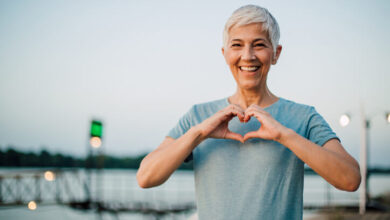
(249, 68)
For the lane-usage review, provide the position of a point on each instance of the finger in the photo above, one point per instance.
(255, 113)
(234, 136)
(233, 111)
(249, 135)
(246, 117)
(249, 113)
(230, 114)
(239, 114)
(261, 111)
(227, 114)
(239, 109)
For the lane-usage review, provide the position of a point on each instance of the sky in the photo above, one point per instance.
(140, 65)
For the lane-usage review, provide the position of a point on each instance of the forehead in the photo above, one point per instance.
(247, 32)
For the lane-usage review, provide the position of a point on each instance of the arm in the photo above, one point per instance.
(157, 166)
(331, 161)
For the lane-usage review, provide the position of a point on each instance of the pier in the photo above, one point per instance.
(71, 187)
(118, 192)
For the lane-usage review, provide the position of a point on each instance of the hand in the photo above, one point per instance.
(217, 125)
(270, 129)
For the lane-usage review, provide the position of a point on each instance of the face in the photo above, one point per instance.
(249, 55)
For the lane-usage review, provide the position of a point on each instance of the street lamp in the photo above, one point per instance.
(344, 120)
(95, 142)
(95, 158)
(96, 134)
(364, 146)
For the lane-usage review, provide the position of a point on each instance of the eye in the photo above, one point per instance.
(236, 45)
(260, 45)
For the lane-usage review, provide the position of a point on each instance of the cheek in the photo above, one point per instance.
(230, 58)
(266, 58)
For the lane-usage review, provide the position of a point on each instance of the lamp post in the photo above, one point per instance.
(364, 150)
(95, 159)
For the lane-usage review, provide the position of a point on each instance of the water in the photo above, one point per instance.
(121, 186)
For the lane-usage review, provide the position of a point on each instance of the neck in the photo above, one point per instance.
(261, 97)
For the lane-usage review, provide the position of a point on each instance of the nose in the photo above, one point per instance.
(248, 53)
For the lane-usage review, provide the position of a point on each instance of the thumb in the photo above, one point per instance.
(234, 136)
(249, 135)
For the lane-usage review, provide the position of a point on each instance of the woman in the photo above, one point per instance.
(249, 149)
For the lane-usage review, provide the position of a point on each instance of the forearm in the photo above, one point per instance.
(157, 166)
(341, 172)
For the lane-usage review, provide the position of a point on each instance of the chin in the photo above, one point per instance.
(248, 86)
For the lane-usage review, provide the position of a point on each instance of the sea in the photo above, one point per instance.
(118, 187)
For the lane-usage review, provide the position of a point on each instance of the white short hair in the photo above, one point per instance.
(249, 14)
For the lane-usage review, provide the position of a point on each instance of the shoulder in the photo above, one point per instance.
(303, 119)
(309, 123)
(294, 107)
(206, 109)
(215, 104)
(294, 112)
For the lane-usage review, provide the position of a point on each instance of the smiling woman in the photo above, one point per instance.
(249, 149)
(249, 54)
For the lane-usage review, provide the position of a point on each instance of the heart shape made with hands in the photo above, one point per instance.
(217, 126)
(250, 133)
(268, 129)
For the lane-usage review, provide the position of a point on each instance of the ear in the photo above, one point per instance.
(277, 54)
(223, 51)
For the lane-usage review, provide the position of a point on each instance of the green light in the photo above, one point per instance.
(96, 129)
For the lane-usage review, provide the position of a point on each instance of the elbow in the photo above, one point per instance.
(142, 181)
(145, 180)
(143, 177)
(349, 185)
(352, 186)
(352, 182)
(355, 179)
(143, 185)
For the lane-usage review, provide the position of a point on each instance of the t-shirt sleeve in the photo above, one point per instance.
(182, 126)
(318, 130)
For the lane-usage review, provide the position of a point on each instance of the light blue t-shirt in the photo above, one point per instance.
(259, 179)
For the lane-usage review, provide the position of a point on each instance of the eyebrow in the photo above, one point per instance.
(257, 39)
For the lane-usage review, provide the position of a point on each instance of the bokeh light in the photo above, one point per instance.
(32, 205)
(95, 142)
(50, 176)
(344, 120)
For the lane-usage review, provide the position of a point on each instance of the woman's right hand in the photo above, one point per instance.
(217, 125)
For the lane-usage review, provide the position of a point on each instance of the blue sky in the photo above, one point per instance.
(140, 65)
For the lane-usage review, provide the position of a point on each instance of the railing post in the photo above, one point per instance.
(58, 190)
(1, 189)
(363, 166)
(38, 188)
(18, 194)
(328, 195)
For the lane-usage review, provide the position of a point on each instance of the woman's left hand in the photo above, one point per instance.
(270, 129)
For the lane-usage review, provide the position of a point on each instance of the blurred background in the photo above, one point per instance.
(136, 67)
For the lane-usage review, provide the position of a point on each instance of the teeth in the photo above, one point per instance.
(249, 68)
